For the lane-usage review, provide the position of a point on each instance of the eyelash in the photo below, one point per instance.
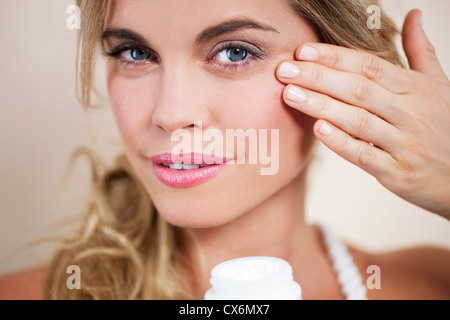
(116, 54)
(253, 57)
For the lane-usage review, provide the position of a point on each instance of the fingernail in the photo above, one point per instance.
(288, 70)
(325, 129)
(295, 94)
(308, 54)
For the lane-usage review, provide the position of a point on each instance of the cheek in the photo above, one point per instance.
(254, 103)
(258, 104)
(131, 101)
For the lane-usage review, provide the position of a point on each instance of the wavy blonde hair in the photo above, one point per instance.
(123, 247)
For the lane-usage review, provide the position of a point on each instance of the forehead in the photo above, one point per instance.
(189, 17)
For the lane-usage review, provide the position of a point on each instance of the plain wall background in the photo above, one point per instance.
(41, 123)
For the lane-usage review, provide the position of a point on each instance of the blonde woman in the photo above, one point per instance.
(311, 69)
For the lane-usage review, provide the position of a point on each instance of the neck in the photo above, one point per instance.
(275, 228)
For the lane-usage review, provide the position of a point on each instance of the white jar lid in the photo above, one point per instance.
(253, 278)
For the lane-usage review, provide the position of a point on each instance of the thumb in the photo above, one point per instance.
(418, 49)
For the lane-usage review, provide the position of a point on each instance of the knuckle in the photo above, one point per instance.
(371, 67)
(429, 91)
(420, 123)
(316, 75)
(403, 169)
(323, 106)
(334, 59)
(361, 122)
(429, 48)
(408, 82)
(344, 146)
(364, 156)
(361, 89)
(405, 172)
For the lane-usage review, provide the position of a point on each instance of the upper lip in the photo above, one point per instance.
(189, 158)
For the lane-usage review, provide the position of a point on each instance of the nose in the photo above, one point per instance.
(181, 100)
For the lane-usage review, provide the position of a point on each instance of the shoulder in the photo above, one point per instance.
(23, 285)
(416, 273)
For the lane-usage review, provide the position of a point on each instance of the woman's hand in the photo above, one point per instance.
(391, 122)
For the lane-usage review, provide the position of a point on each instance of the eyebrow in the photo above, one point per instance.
(206, 35)
(123, 33)
(231, 26)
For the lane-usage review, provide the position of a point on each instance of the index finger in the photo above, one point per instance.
(360, 62)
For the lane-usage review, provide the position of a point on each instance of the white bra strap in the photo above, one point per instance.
(347, 273)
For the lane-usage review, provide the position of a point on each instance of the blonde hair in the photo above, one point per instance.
(124, 248)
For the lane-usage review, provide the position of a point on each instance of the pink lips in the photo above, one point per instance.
(187, 178)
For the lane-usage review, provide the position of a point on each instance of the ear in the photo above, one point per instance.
(419, 51)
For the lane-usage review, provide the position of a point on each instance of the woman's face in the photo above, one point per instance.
(202, 65)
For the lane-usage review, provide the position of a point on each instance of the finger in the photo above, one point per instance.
(350, 88)
(419, 50)
(363, 154)
(355, 121)
(378, 70)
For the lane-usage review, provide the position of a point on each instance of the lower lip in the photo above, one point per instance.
(186, 178)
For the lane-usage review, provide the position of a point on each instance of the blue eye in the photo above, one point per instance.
(138, 54)
(234, 54)
(237, 54)
(133, 54)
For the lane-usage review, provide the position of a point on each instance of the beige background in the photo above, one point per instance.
(41, 123)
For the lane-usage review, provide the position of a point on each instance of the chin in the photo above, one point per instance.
(194, 215)
(206, 205)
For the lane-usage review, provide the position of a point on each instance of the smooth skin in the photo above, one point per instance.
(391, 122)
(272, 217)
